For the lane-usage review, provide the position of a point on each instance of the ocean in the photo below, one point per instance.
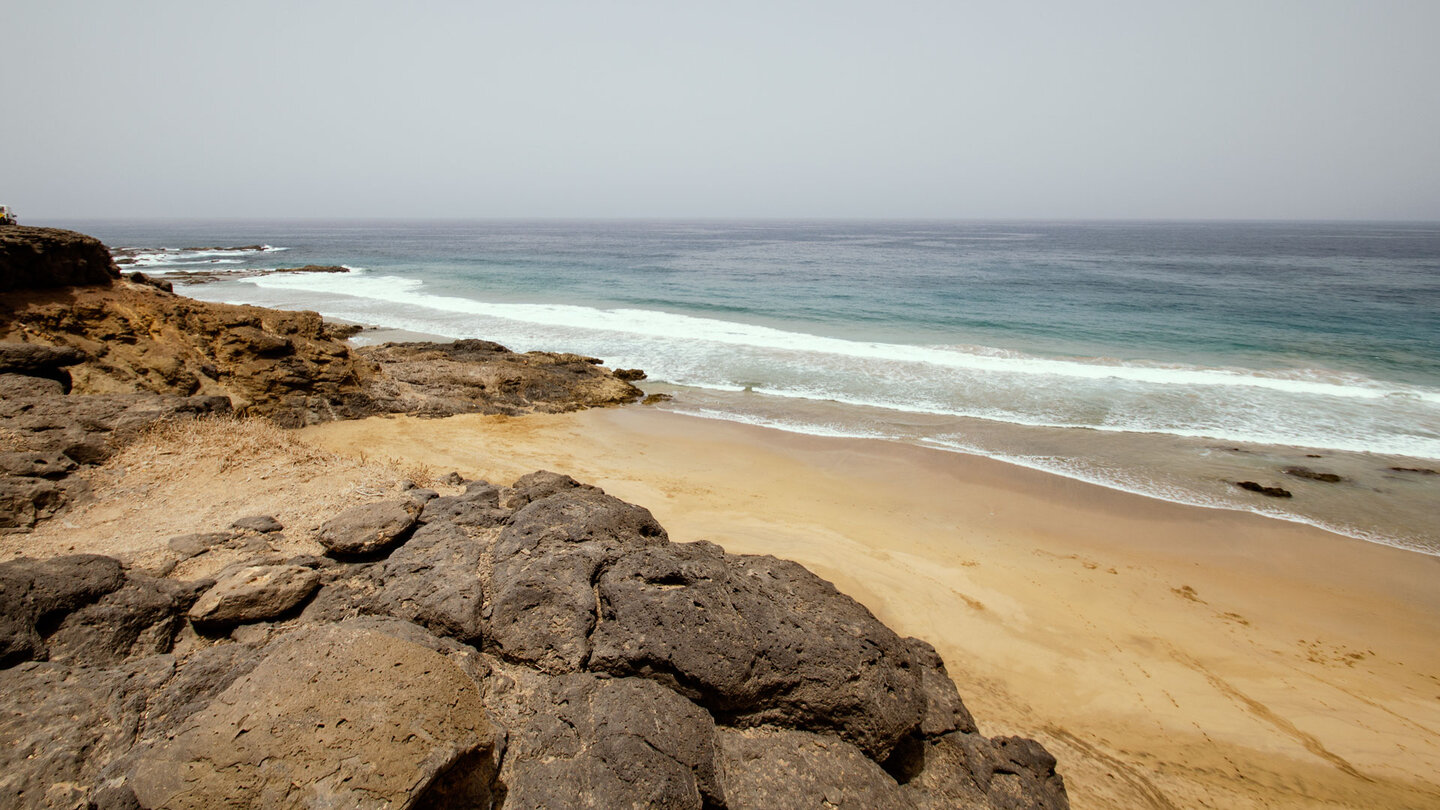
(1170, 359)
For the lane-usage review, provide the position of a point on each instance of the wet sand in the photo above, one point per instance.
(1169, 656)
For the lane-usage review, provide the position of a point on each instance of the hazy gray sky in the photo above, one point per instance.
(1151, 109)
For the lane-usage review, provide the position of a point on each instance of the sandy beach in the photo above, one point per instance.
(1170, 656)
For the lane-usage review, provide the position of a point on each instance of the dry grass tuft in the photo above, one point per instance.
(420, 474)
(227, 442)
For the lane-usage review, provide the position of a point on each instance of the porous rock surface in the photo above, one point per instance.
(332, 717)
(478, 376)
(539, 645)
(41, 258)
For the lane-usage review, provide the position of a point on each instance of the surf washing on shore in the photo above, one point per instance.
(1168, 359)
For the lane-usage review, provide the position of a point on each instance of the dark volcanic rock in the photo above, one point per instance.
(63, 725)
(1273, 492)
(264, 524)
(52, 464)
(24, 502)
(593, 742)
(40, 258)
(140, 278)
(758, 640)
(35, 592)
(819, 704)
(37, 360)
(23, 385)
(291, 732)
(944, 711)
(367, 528)
(193, 545)
(545, 564)
(1312, 475)
(770, 768)
(1005, 773)
(434, 580)
(478, 505)
(140, 618)
(541, 484)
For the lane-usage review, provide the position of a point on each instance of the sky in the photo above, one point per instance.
(1261, 109)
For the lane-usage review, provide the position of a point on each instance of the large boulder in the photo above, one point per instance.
(254, 593)
(434, 580)
(545, 565)
(770, 768)
(332, 717)
(757, 640)
(367, 528)
(62, 726)
(42, 362)
(141, 618)
(33, 592)
(594, 742)
(42, 258)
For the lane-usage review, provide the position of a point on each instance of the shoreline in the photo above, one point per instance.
(1094, 480)
(1170, 655)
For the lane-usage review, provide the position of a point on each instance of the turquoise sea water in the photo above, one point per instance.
(1165, 358)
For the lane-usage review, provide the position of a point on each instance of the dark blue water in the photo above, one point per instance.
(1323, 337)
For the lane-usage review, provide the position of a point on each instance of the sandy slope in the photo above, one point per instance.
(1169, 656)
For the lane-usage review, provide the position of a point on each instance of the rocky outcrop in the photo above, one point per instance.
(134, 337)
(538, 645)
(48, 436)
(289, 366)
(477, 376)
(49, 258)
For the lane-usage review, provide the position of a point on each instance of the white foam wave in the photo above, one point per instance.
(1406, 446)
(657, 324)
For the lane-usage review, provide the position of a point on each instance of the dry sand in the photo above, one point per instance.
(1170, 656)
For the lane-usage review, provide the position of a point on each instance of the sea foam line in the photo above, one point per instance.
(652, 323)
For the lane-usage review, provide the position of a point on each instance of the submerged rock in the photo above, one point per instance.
(1273, 492)
(1311, 475)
